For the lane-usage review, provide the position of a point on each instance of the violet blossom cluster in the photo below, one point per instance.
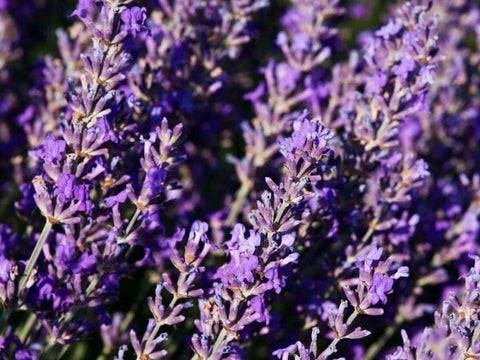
(241, 179)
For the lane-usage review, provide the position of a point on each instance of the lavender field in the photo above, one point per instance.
(239, 179)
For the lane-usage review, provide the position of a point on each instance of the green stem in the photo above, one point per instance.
(132, 222)
(237, 204)
(34, 256)
(63, 351)
(47, 351)
(4, 319)
(27, 327)
(217, 344)
(378, 345)
(367, 236)
(92, 285)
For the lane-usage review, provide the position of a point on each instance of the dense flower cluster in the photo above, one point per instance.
(228, 179)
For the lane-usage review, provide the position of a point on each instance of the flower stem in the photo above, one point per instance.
(218, 342)
(237, 204)
(34, 256)
(378, 345)
(27, 327)
(4, 319)
(132, 222)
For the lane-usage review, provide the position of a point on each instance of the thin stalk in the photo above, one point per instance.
(92, 285)
(372, 229)
(378, 345)
(132, 222)
(63, 351)
(27, 327)
(47, 351)
(75, 310)
(237, 204)
(128, 318)
(34, 256)
(4, 319)
(218, 342)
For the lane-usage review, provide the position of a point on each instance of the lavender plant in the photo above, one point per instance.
(241, 179)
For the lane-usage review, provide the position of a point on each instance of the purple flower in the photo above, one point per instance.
(275, 280)
(376, 82)
(240, 269)
(83, 7)
(381, 285)
(66, 188)
(308, 138)
(155, 180)
(286, 76)
(427, 75)
(335, 207)
(391, 29)
(404, 68)
(52, 150)
(119, 198)
(242, 243)
(134, 20)
(367, 258)
(195, 250)
(257, 304)
(5, 267)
